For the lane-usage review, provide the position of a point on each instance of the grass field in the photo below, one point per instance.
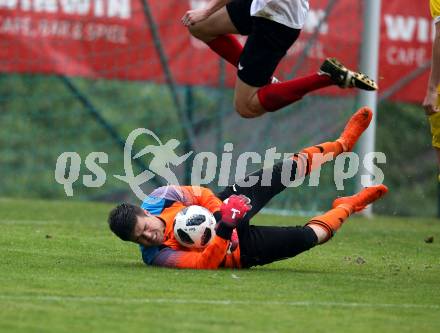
(61, 270)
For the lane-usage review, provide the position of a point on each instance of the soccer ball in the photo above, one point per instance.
(194, 227)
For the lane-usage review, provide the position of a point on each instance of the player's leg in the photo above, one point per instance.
(267, 44)
(261, 192)
(215, 25)
(261, 245)
(315, 156)
(216, 31)
(255, 101)
(327, 224)
(270, 181)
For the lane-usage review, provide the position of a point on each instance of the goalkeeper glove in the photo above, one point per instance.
(234, 208)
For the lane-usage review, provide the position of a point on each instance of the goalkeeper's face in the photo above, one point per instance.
(148, 230)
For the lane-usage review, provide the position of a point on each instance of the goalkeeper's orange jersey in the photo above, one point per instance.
(165, 202)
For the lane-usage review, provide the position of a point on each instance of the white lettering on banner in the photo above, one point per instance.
(79, 7)
(49, 28)
(423, 31)
(75, 30)
(16, 26)
(60, 29)
(8, 4)
(48, 6)
(26, 4)
(112, 33)
(98, 8)
(408, 28)
(119, 8)
(406, 56)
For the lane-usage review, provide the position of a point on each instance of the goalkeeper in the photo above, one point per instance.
(151, 226)
(272, 27)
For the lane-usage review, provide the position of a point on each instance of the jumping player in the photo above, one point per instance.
(151, 226)
(272, 26)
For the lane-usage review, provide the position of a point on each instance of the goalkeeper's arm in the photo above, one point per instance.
(232, 211)
(210, 258)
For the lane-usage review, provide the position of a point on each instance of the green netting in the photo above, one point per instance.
(41, 118)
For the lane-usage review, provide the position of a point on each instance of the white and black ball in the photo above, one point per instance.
(194, 227)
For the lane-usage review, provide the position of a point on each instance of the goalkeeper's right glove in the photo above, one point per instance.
(234, 208)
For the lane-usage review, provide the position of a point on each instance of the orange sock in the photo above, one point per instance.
(332, 220)
(323, 149)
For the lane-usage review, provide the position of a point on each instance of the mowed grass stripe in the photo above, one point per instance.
(101, 299)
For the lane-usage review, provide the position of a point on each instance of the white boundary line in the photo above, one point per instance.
(103, 299)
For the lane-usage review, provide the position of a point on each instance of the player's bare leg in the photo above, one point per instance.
(252, 102)
(326, 225)
(214, 26)
(246, 101)
(216, 31)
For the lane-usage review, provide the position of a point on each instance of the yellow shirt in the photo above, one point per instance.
(435, 9)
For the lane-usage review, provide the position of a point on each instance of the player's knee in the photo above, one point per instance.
(246, 110)
(246, 114)
(199, 32)
(194, 31)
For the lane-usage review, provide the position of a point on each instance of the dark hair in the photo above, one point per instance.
(122, 220)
